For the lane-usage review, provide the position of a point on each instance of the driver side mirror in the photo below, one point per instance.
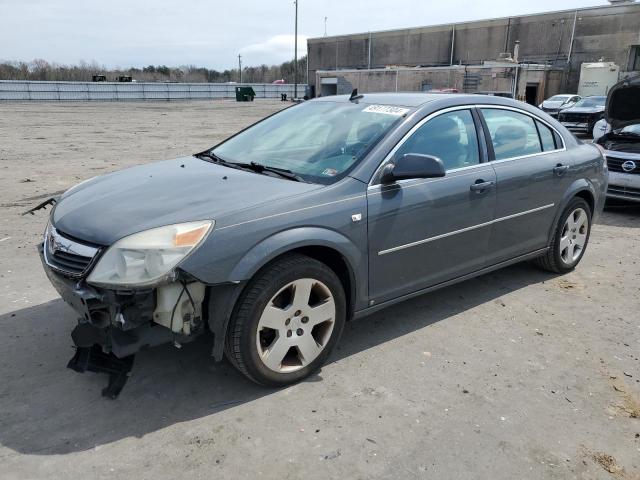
(412, 165)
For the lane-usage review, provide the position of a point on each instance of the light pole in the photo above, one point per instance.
(240, 66)
(295, 56)
(325, 26)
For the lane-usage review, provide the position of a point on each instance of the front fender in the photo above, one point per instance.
(287, 240)
(223, 297)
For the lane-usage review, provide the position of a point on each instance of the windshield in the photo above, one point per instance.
(591, 102)
(559, 98)
(319, 141)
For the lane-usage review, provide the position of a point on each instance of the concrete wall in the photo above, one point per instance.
(606, 32)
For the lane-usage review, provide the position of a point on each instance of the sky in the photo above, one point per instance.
(126, 33)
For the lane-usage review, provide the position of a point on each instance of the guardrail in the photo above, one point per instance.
(24, 91)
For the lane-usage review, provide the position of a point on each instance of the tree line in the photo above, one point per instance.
(40, 69)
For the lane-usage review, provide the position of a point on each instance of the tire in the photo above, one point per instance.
(275, 336)
(569, 239)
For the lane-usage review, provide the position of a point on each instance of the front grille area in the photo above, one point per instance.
(70, 263)
(69, 257)
(628, 192)
(574, 117)
(615, 165)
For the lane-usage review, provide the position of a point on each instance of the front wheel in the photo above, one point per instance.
(287, 321)
(570, 238)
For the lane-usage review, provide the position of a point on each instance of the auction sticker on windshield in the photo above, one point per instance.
(386, 109)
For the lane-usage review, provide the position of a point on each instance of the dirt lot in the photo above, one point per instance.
(517, 374)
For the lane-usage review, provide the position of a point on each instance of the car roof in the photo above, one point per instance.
(409, 99)
(400, 99)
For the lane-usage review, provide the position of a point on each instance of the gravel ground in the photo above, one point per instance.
(517, 374)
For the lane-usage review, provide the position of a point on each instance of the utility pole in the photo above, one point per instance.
(295, 56)
(325, 26)
(240, 66)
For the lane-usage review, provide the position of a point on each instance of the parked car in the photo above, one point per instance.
(556, 103)
(582, 117)
(619, 135)
(326, 211)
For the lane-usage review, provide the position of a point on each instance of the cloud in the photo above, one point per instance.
(199, 32)
(276, 49)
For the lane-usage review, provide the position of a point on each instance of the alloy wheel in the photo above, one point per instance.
(296, 325)
(573, 238)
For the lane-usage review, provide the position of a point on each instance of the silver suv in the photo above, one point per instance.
(619, 135)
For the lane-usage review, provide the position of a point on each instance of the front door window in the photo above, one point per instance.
(451, 137)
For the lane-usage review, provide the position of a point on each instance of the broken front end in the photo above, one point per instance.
(128, 296)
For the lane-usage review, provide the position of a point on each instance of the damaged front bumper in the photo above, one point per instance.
(114, 325)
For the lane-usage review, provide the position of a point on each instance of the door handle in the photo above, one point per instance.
(560, 169)
(481, 186)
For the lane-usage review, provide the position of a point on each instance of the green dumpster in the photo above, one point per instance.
(244, 94)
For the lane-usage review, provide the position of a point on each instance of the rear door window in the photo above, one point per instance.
(513, 134)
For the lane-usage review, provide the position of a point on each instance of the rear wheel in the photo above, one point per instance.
(570, 238)
(287, 321)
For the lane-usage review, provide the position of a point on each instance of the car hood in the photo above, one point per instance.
(628, 145)
(550, 104)
(623, 103)
(108, 208)
(583, 110)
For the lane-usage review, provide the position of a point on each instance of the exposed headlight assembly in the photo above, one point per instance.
(148, 257)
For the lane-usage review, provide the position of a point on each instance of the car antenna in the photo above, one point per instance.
(354, 95)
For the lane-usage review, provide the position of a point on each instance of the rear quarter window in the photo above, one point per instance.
(546, 137)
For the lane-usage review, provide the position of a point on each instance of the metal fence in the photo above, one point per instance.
(20, 91)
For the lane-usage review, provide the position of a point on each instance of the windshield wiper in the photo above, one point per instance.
(253, 167)
(215, 159)
(283, 172)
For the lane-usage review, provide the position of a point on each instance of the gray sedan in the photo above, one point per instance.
(324, 212)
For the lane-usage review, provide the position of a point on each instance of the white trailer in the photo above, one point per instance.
(597, 78)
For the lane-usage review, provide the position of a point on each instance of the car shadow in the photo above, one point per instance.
(620, 214)
(47, 409)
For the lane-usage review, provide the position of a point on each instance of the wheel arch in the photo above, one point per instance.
(588, 197)
(333, 249)
(313, 240)
(340, 266)
(581, 188)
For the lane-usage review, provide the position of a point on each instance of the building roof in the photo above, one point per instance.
(471, 22)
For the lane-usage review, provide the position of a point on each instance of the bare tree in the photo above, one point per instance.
(40, 69)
